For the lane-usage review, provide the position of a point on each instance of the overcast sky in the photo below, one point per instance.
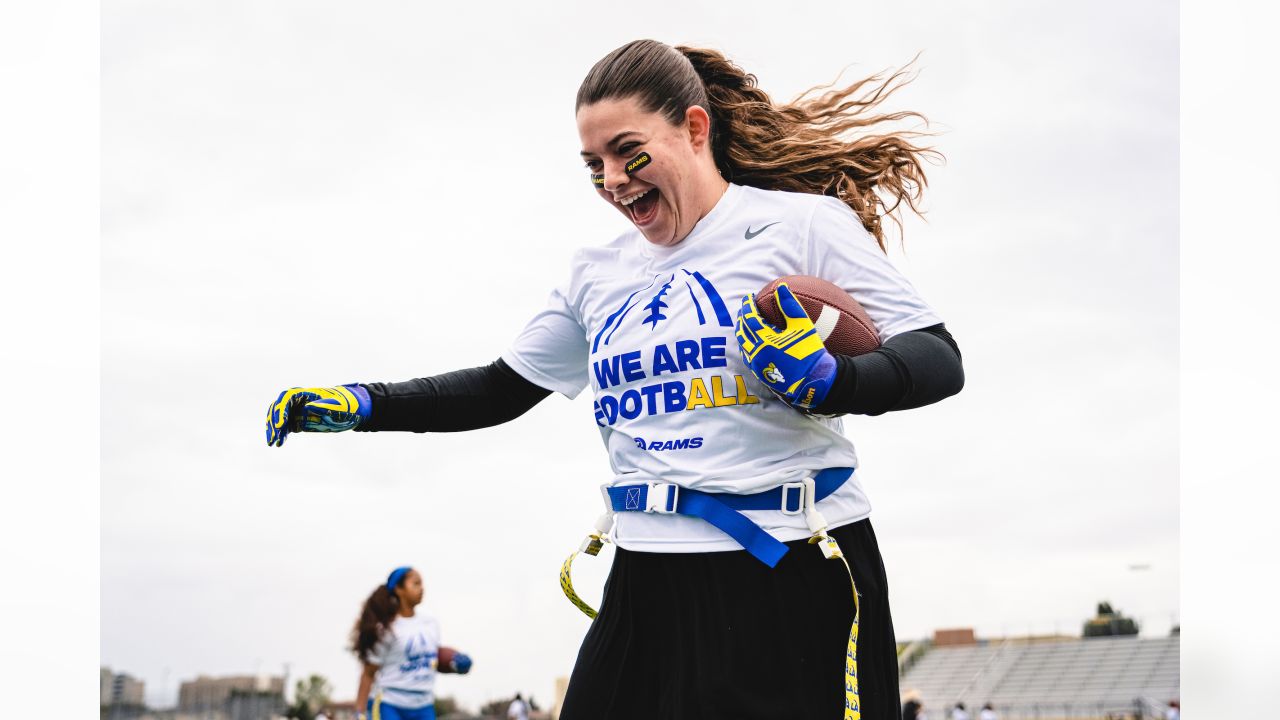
(312, 192)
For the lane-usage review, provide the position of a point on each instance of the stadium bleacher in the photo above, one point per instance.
(1062, 678)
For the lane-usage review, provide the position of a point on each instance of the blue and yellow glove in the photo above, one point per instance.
(332, 409)
(791, 362)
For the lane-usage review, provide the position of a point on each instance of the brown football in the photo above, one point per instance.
(444, 658)
(840, 321)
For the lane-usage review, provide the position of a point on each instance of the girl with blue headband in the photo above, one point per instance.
(401, 652)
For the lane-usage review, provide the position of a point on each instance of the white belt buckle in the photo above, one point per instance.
(786, 488)
(665, 491)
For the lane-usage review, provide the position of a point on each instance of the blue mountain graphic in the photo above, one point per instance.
(657, 306)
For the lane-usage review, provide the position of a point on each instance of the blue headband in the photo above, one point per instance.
(396, 576)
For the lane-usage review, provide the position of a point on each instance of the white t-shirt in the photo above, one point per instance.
(651, 329)
(517, 710)
(406, 657)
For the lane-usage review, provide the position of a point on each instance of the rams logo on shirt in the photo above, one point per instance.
(659, 445)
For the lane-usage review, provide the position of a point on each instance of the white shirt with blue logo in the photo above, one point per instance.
(406, 656)
(651, 329)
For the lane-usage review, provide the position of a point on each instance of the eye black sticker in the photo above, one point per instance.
(636, 163)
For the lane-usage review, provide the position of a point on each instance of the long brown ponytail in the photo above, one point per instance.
(375, 617)
(822, 142)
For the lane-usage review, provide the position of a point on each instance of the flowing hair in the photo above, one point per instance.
(379, 611)
(828, 141)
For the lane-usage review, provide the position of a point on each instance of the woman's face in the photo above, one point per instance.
(410, 591)
(662, 198)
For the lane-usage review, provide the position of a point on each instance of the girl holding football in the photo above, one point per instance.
(400, 653)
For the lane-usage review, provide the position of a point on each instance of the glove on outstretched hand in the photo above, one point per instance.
(792, 362)
(332, 409)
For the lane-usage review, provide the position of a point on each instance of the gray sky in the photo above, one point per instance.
(307, 193)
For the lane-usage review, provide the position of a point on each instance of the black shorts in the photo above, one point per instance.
(704, 636)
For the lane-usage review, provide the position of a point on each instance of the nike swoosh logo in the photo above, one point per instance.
(751, 234)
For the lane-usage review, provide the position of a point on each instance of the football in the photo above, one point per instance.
(444, 658)
(841, 322)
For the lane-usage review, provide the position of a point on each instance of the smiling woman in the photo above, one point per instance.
(723, 474)
(804, 146)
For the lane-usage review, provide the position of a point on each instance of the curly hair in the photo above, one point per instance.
(827, 141)
(379, 611)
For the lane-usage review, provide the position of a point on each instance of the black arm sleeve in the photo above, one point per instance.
(910, 370)
(468, 399)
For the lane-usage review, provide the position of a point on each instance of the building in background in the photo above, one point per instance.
(954, 636)
(120, 696)
(120, 689)
(127, 690)
(562, 687)
(236, 696)
(255, 704)
(1047, 676)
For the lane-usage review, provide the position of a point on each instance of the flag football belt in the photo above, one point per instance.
(722, 511)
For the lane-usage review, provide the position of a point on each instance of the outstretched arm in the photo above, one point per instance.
(461, 400)
(468, 399)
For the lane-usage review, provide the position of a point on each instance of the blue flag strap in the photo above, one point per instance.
(722, 509)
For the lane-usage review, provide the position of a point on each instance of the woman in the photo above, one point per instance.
(401, 652)
(725, 191)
